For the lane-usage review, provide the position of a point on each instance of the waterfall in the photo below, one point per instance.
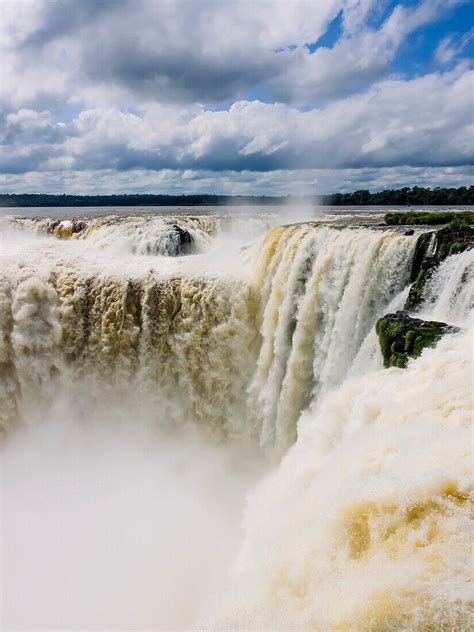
(449, 294)
(146, 234)
(244, 354)
(178, 343)
(268, 349)
(366, 523)
(321, 291)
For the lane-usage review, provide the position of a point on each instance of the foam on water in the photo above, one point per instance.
(321, 292)
(121, 366)
(367, 523)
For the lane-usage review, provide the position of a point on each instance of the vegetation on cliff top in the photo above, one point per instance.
(402, 337)
(455, 218)
(392, 197)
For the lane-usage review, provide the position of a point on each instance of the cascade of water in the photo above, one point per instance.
(246, 354)
(321, 291)
(191, 342)
(147, 234)
(366, 523)
(431, 245)
(180, 345)
(142, 235)
(449, 294)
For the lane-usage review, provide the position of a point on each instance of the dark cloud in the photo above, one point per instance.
(424, 122)
(178, 75)
(145, 81)
(35, 160)
(60, 18)
(18, 135)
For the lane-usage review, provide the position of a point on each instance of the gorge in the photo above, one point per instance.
(260, 340)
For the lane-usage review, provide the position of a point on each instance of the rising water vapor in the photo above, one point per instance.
(144, 395)
(321, 291)
(367, 523)
(109, 523)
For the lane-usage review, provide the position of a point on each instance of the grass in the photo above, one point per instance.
(458, 218)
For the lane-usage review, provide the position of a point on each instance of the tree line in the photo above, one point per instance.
(391, 197)
(407, 196)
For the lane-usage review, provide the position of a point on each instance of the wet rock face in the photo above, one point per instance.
(451, 241)
(162, 237)
(431, 249)
(402, 337)
(180, 241)
(64, 229)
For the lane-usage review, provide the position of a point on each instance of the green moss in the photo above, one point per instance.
(458, 219)
(449, 240)
(402, 337)
(410, 339)
(415, 295)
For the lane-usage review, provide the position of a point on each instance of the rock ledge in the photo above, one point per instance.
(402, 337)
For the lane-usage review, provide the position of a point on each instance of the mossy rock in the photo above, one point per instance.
(431, 249)
(181, 242)
(452, 240)
(402, 337)
(412, 218)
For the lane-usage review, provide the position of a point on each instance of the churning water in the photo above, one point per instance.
(198, 431)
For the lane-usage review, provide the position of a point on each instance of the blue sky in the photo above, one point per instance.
(417, 55)
(269, 96)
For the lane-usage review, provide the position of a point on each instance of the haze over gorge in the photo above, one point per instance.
(209, 437)
(236, 315)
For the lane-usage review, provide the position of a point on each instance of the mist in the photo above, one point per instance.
(211, 441)
(116, 525)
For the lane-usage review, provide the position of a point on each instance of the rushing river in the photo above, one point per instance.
(198, 431)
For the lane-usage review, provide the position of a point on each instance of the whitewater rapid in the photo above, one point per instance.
(263, 339)
(371, 509)
(321, 291)
(241, 342)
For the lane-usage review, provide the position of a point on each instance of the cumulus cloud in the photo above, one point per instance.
(452, 47)
(277, 182)
(425, 121)
(123, 52)
(170, 86)
(162, 50)
(361, 55)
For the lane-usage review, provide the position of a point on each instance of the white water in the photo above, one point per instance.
(146, 233)
(135, 390)
(366, 524)
(371, 509)
(321, 292)
(449, 294)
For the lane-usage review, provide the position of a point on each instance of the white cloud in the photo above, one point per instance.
(426, 121)
(124, 52)
(161, 50)
(452, 47)
(278, 182)
(141, 80)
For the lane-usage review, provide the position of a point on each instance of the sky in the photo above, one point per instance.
(270, 97)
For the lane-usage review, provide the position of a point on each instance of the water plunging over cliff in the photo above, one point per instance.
(244, 352)
(256, 336)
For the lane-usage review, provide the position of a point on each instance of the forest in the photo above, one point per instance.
(406, 196)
